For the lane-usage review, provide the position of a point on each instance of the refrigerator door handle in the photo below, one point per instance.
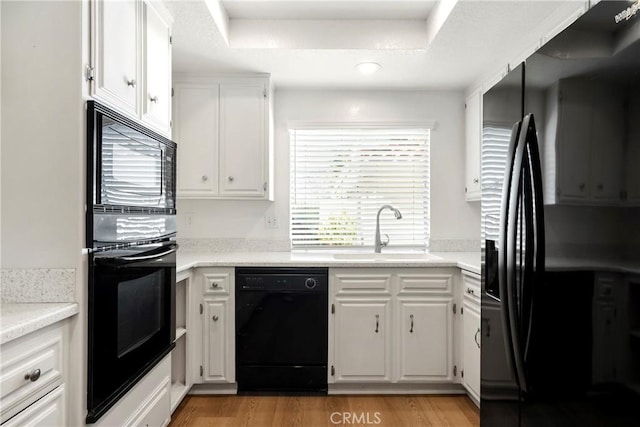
(504, 242)
(515, 195)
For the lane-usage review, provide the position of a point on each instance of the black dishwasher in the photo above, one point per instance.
(281, 329)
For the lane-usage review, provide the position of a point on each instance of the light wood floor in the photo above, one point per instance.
(311, 411)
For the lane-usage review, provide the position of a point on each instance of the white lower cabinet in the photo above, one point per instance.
(362, 340)
(471, 335)
(214, 353)
(33, 371)
(390, 325)
(425, 332)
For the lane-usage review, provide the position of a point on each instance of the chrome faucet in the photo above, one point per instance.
(380, 244)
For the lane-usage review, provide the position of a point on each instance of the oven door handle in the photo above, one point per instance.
(144, 256)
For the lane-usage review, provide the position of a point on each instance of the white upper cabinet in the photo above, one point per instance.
(473, 138)
(156, 98)
(131, 60)
(196, 132)
(223, 132)
(243, 139)
(116, 53)
(583, 143)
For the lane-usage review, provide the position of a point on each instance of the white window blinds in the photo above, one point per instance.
(495, 147)
(341, 177)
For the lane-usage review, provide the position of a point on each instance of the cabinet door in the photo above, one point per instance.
(362, 349)
(471, 349)
(425, 329)
(607, 144)
(156, 102)
(632, 153)
(196, 133)
(219, 349)
(115, 47)
(573, 139)
(473, 132)
(243, 140)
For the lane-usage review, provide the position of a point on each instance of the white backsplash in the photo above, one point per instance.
(234, 245)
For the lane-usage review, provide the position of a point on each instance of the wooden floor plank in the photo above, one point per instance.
(299, 411)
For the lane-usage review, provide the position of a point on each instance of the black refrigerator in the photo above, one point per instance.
(558, 348)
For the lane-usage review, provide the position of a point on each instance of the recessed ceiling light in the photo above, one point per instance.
(368, 68)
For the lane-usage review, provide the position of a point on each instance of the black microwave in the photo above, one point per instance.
(131, 168)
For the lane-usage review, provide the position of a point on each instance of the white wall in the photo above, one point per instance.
(44, 48)
(451, 216)
(42, 125)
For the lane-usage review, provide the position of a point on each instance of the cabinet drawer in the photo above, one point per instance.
(48, 411)
(31, 367)
(425, 284)
(370, 282)
(471, 286)
(156, 410)
(216, 282)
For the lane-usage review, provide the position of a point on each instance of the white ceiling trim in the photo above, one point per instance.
(220, 17)
(325, 34)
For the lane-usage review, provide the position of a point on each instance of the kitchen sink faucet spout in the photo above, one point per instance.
(379, 244)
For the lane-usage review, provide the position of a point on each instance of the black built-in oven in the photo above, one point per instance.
(132, 319)
(131, 232)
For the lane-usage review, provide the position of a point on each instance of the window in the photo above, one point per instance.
(341, 177)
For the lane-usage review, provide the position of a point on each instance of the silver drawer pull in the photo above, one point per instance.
(131, 83)
(230, 179)
(214, 285)
(153, 99)
(215, 318)
(377, 322)
(411, 317)
(475, 338)
(205, 177)
(33, 375)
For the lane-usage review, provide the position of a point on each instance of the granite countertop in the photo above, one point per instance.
(18, 319)
(466, 260)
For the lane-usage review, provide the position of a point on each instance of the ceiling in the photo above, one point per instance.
(421, 44)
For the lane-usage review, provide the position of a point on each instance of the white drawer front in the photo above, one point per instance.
(31, 367)
(216, 283)
(156, 411)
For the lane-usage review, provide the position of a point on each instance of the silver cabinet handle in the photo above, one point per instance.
(215, 317)
(230, 179)
(205, 177)
(214, 285)
(131, 83)
(475, 180)
(153, 99)
(33, 375)
(582, 186)
(377, 322)
(600, 187)
(475, 338)
(411, 317)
